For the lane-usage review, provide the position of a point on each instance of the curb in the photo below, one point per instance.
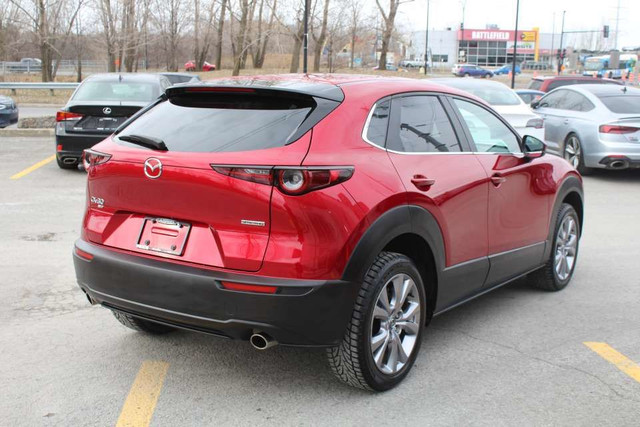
(26, 133)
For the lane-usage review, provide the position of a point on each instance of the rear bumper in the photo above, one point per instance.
(74, 143)
(601, 154)
(301, 313)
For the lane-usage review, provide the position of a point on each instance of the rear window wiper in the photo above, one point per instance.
(145, 141)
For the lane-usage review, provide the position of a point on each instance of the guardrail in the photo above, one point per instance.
(13, 86)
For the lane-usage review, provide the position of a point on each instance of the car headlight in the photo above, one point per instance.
(2, 106)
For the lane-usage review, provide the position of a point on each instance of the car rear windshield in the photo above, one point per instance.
(535, 84)
(223, 122)
(622, 104)
(117, 91)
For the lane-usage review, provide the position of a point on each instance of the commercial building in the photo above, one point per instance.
(489, 47)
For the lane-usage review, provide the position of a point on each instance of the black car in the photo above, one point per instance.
(99, 105)
(8, 111)
(177, 78)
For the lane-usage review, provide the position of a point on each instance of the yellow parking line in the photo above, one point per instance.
(34, 167)
(138, 408)
(623, 363)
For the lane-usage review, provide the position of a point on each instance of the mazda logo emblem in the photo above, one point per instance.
(106, 110)
(153, 168)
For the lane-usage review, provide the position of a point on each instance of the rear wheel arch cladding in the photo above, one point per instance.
(394, 223)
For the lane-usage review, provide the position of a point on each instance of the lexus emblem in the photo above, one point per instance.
(106, 110)
(153, 168)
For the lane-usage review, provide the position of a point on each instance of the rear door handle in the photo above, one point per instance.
(497, 180)
(422, 182)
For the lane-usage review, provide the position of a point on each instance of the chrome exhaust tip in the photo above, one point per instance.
(261, 341)
(69, 160)
(618, 164)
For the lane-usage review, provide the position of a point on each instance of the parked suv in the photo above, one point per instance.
(341, 212)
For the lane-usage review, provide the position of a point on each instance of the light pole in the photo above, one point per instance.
(561, 59)
(426, 44)
(305, 37)
(515, 47)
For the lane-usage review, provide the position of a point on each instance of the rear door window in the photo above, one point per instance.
(223, 122)
(424, 126)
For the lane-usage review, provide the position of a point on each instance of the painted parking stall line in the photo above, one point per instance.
(619, 360)
(33, 167)
(141, 401)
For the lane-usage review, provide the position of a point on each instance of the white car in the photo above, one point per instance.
(505, 101)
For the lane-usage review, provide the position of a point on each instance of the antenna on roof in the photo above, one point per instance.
(119, 77)
(624, 89)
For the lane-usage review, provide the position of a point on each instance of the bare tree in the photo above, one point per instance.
(218, 47)
(389, 18)
(262, 35)
(202, 40)
(321, 37)
(239, 42)
(109, 16)
(355, 14)
(170, 18)
(8, 17)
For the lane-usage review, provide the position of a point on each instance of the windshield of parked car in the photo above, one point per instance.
(117, 91)
(622, 104)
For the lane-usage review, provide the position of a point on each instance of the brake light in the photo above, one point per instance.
(292, 181)
(92, 158)
(617, 129)
(535, 123)
(63, 116)
(219, 89)
(244, 287)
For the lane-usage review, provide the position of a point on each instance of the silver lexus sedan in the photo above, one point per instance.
(593, 126)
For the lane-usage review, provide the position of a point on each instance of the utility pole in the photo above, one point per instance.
(426, 44)
(617, 25)
(553, 36)
(305, 37)
(561, 40)
(515, 47)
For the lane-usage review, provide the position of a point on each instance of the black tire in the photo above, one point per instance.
(64, 165)
(352, 361)
(142, 325)
(547, 277)
(580, 167)
(466, 75)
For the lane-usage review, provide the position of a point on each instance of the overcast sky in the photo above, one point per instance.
(581, 15)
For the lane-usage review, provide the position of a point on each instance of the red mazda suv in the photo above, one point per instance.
(321, 211)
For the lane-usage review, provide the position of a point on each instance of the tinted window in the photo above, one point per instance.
(487, 131)
(557, 83)
(117, 91)
(222, 123)
(574, 101)
(423, 127)
(553, 100)
(377, 129)
(535, 84)
(622, 104)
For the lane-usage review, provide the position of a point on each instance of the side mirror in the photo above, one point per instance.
(533, 147)
(535, 104)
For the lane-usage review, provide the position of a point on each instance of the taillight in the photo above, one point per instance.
(244, 287)
(300, 181)
(293, 181)
(617, 129)
(535, 123)
(91, 158)
(63, 116)
(84, 255)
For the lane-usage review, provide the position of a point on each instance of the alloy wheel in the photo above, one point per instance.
(566, 247)
(395, 324)
(572, 151)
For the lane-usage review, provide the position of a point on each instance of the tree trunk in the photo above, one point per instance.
(297, 47)
(388, 30)
(240, 43)
(317, 53)
(218, 48)
(196, 35)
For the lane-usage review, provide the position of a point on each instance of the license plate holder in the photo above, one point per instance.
(163, 235)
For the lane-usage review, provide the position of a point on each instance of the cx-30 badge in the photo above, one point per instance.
(153, 168)
(106, 110)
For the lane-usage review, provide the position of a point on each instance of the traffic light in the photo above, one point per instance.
(605, 31)
(558, 53)
(564, 53)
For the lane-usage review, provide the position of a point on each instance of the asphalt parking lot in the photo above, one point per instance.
(514, 357)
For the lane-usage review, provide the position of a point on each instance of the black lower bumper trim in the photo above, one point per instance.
(301, 313)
